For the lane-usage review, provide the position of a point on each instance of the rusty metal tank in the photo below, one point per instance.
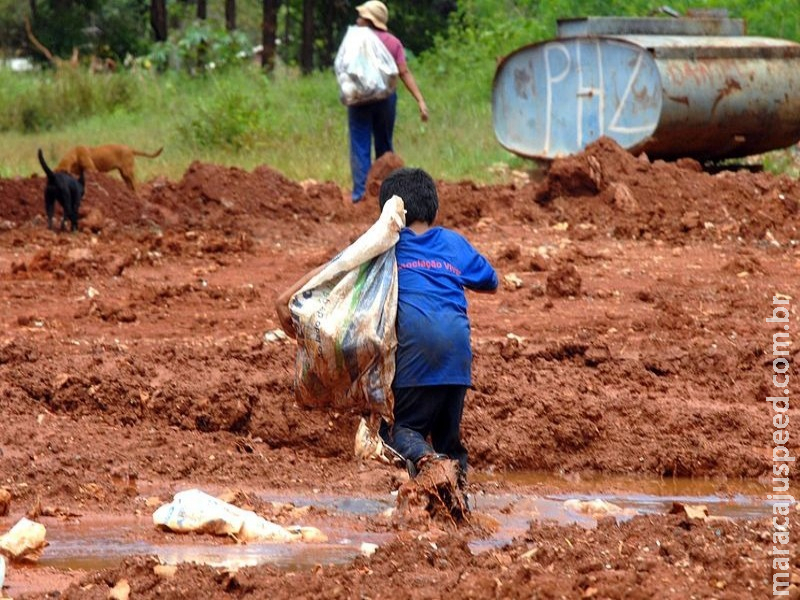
(685, 87)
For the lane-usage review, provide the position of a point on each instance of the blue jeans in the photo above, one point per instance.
(368, 121)
(424, 411)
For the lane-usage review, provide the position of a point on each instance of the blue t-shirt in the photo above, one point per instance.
(433, 269)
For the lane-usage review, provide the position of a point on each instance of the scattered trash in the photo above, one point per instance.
(512, 281)
(369, 444)
(690, 511)
(275, 335)
(25, 541)
(196, 511)
(596, 508)
(368, 549)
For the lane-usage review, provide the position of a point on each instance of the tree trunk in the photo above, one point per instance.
(230, 15)
(158, 19)
(269, 28)
(202, 10)
(307, 45)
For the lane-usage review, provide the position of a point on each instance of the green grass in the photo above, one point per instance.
(242, 118)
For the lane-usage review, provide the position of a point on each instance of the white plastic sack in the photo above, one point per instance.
(345, 317)
(196, 511)
(25, 541)
(364, 68)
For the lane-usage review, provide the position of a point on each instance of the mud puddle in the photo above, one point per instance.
(85, 545)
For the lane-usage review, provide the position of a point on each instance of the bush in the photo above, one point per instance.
(203, 46)
(37, 102)
(231, 117)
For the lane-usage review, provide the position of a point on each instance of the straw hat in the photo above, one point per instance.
(375, 12)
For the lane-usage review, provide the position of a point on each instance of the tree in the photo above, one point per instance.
(158, 19)
(307, 44)
(202, 10)
(269, 30)
(230, 15)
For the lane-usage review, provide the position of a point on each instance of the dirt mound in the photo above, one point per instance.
(208, 196)
(609, 189)
(601, 191)
(379, 170)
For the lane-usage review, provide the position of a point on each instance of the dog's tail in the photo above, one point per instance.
(42, 162)
(153, 155)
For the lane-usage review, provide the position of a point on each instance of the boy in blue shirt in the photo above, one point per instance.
(434, 358)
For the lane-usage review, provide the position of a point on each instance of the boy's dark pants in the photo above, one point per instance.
(424, 411)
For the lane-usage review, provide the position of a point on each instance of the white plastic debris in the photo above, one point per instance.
(368, 549)
(194, 510)
(275, 335)
(596, 508)
(25, 541)
(368, 444)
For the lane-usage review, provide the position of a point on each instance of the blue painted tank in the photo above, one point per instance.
(668, 87)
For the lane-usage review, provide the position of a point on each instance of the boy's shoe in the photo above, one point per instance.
(438, 476)
(415, 469)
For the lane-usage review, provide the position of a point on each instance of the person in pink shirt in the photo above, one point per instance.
(374, 121)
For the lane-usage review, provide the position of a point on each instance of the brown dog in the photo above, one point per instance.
(104, 158)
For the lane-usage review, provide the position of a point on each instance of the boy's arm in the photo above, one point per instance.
(485, 291)
(282, 302)
(480, 276)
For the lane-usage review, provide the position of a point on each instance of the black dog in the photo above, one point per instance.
(65, 189)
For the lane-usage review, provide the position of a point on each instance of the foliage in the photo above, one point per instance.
(228, 114)
(119, 28)
(122, 29)
(235, 114)
(201, 46)
(105, 28)
(37, 103)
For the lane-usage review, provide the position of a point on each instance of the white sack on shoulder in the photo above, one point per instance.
(345, 317)
(365, 70)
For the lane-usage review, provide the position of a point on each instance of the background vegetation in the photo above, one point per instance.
(231, 111)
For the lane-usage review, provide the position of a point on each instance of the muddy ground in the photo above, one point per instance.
(628, 339)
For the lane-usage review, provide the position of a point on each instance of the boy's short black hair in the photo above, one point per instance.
(418, 191)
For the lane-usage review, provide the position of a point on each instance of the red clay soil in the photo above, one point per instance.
(628, 338)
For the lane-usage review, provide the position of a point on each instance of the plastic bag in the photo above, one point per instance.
(196, 511)
(364, 67)
(25, 541)
(344, 318)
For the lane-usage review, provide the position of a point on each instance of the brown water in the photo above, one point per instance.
(92, 545)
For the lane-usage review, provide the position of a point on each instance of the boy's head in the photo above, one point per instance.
(418, 191)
